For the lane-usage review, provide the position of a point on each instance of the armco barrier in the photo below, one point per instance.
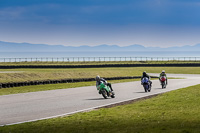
(101, 66)
(27, 83)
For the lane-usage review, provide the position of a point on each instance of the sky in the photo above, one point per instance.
(155, 23)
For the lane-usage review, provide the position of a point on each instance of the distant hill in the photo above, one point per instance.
(27, 47)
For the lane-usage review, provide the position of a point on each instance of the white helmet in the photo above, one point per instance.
(163, 71)
(97, 78)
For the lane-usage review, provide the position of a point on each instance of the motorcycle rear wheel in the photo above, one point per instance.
(113, 95)
(149, 89)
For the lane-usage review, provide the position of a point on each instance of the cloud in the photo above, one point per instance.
(102, 12)
(94, 22)
(11, 13)
(44, 13)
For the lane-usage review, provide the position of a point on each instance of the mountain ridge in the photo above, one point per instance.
(28, 47)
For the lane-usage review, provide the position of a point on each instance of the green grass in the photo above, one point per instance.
(176, 111)
(45, 74)
(19, 75)
(35, 88)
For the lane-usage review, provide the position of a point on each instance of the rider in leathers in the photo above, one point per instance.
(99, 80)
(163, 74)
(144, 74)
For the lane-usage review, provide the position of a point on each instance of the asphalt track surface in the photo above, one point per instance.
(26, 107)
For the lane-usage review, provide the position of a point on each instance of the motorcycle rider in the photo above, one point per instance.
(144, 74)
(99, 80)
(163, 74)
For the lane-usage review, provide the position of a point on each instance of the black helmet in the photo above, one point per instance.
(144, 72)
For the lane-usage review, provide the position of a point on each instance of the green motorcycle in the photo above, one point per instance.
(105, 91)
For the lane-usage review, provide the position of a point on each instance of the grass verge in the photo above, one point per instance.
(175, 111)
(34, 88)
(46, 74)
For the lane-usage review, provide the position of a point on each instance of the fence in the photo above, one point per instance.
(98, 59)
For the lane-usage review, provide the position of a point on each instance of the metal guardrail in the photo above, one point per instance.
(98, 59)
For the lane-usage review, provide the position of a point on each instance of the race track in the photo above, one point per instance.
(19, 108)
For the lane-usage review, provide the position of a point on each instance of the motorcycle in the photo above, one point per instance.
(163, 81)
(146, 84)
(105, 91)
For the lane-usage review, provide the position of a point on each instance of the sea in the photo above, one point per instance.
(108, 54)
(101, 54)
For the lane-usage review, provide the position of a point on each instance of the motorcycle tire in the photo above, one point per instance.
(163, 85)
(146, 88)
(104, 94)
(149, 89)
(112, 96)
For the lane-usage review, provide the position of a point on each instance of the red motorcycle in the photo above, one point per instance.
(163, 81)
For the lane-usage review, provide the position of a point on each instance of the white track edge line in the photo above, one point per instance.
(83, 110)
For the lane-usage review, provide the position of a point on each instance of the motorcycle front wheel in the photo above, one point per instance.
(163, 85)
(145, 88)
(104, 94)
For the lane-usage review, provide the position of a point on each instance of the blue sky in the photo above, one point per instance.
(162, 23)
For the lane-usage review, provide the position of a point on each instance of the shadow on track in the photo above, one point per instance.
(158, 88)
(140, 92)
(96, 99)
